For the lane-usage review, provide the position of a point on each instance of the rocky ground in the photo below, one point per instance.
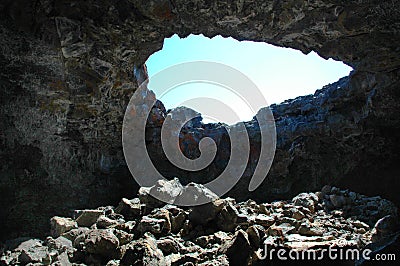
(145, 231)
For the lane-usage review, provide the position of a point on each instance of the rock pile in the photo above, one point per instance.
(143, 231)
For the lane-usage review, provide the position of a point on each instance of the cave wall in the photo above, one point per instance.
(67, 72)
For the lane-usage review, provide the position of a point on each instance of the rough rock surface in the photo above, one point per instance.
(68, 68)
(60, 225)
(190, 243)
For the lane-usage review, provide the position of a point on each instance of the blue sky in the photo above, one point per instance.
(280, 73)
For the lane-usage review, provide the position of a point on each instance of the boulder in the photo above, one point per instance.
(337, 200)
(123, 237)
(238, 249)
(164, 215)
(128, 226)
(154, 225)
(203, 214)
(255, 233)
(62, 260)
(143, 252)
(307, 200)
(164, 191)
(33, 251)
(203, 241)
(177, 217)
(101, 242)
(227, 218)
(195, 194)
(130, 209)
(385, 227)
(222, 232)
(74, 233)
(103, 222)
(87, 218)
(168, 245)
(60, 244)
(209, 203)
(60, 225)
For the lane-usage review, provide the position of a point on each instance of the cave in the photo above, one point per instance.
(66, 79)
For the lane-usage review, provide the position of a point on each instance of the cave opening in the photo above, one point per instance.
(279, 73)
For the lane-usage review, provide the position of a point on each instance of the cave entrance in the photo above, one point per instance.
(279, 73)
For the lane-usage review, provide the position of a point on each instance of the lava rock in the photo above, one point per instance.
(307, 200)
(297, 214)
(281, 230)
(255, 233)
(154, 225)
(227, 218)
(238, 250)
(87, 218)
(385, 227)
(162, 192)
(33, 251)
(206, 213)
(101, 242)
(103, 222)
(195, 194)
(177, 218)
(74, 233)
(143, 252)
(264, 220)
(337, 200)
(168, 245)
(130, 209)
(60, 244)
(60, 225)
(123, 237)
